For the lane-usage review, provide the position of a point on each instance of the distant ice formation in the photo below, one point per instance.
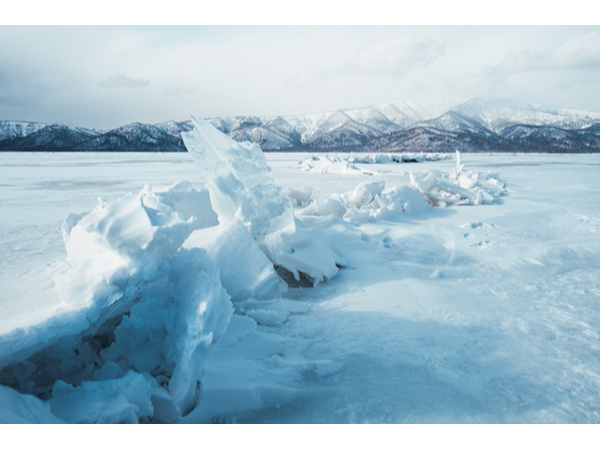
(459, 187)
(345, 163)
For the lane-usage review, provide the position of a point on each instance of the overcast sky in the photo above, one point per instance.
(104, 77)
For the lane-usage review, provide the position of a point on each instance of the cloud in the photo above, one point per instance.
(105, 76)
(19, 101)
(12, 99)
(178, 90)
(121, 80)
(3, 79)
(384, 59)
(579, 52)
(394, 57)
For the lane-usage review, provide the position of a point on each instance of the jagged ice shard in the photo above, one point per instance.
(242, 190)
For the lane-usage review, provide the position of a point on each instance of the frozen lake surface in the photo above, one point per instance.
(487, 313)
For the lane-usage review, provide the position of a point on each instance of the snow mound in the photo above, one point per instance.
(459, 187)
(242, 190)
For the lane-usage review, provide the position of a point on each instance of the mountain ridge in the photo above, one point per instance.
(472, 126)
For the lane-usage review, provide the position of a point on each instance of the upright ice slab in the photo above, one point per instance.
(242, 190)
(238, 177)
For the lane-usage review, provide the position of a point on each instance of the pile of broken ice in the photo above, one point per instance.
(150, 289)
(367, 202)
(153, 279)
(459, 187)
(327, 164)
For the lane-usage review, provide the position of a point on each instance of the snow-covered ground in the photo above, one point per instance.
(468, 313)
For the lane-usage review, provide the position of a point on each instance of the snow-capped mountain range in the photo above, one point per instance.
(473, 126)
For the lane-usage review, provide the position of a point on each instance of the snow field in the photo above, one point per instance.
(472, 313)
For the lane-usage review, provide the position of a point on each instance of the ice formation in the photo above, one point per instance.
(346, 163)
(149, 290)
(387, 158)
(22, 408)
(145, 312)
(242, 190)
(459, 187)
(302, 251)
(368, 201)
(326, 164)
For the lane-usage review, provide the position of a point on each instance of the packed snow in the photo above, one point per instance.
(460, 290)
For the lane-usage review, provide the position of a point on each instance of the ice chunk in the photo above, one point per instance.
(128, 238)
(242, 190)
(126, 400)
(369, 201)
(244, 269)
(332, 206)
(299, 197)
(22, 408)
(363, 194)
(396, 202)
(140, 302)
(238, 177)
(301, 250)
(387, 158)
